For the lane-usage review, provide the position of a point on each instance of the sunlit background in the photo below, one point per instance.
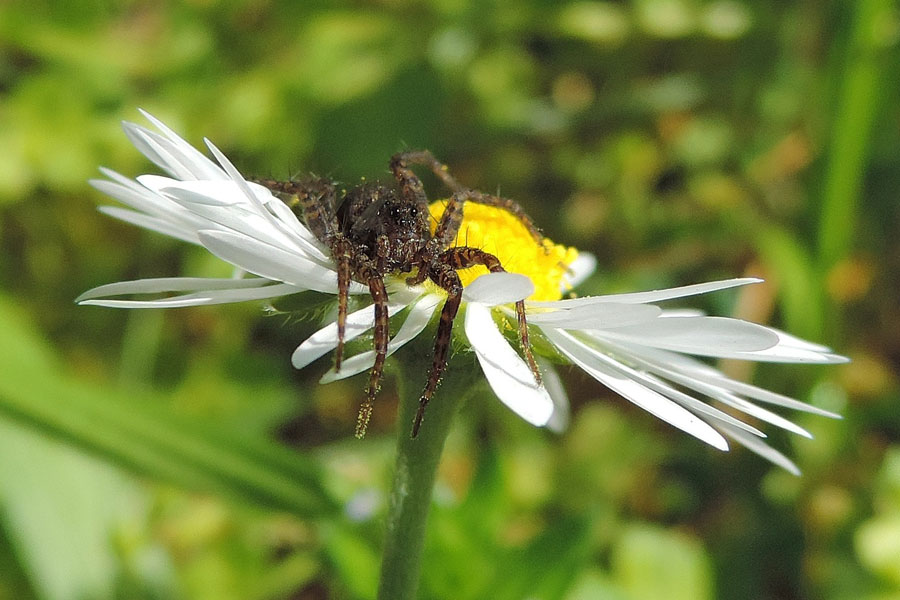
(158, 455)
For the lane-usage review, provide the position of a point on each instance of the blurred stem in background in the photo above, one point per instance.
(859, 90)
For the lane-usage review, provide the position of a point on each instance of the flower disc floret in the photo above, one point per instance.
(499, 232)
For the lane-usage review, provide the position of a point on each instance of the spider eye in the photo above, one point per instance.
(395, 212)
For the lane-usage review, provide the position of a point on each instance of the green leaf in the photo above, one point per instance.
(863, 73)
(62, 508)
(139, 434)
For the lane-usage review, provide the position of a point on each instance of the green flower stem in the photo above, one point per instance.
(416, 467)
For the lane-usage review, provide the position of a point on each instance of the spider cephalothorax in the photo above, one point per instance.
(376, 230)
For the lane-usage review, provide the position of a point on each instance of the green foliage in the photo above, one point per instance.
(650, 562)
(178, 455)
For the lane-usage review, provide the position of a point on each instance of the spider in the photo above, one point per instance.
(376, 230)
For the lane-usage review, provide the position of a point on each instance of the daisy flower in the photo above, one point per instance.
(625, 341)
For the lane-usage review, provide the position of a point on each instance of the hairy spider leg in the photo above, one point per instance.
(412, 189)
(452, 216)
(370, 274)
(446, 232)
(444, 273)
(316, 199)
(400, 167)
(341, 250)
(446, 277)
(400, 164)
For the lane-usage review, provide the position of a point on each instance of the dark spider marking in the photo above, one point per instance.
(376, 230)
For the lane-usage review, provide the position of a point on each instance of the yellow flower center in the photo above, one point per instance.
(499, 232)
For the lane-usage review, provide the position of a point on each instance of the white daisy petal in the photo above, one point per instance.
(762, 395)
(204, 298)
(249, 192)
(700, 377)
(559, 420)
(236, 176)
(170, 284)
(682, 312)
(213, 193)
(419, 315)
(137, 196)
(230, 211)
(789, 351)
(506, 372)
(200, 165)
(240, 220)
(689, 402)
(151, 223)
(283, 213)
(199, 170)
(685, 364)
(265, 260)
(757, 446)
(579, 270)
(705, 336)
(655, 296)
(596, 317)
(140, 198)
(791, 340)
(651, 401)
(758, 412)
(667, 390)
(326, 339)
(158, 150)
(498, 288)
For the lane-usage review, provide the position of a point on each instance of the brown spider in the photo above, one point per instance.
(376, 230)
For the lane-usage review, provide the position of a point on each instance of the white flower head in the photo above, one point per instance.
(625, 341)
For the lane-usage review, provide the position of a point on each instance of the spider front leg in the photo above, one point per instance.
(400, 167)
(369, 274)
(452, 217)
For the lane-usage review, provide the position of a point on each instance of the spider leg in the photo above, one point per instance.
(447, 278)
(382, 252)
(316, 198)
(448, 227)
(413, 191)
(400, 166)
(463, 257)
(444, 274)
(369, 274)
(341, 250)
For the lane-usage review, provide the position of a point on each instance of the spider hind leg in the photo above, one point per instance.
(449, 261)
(447, 278)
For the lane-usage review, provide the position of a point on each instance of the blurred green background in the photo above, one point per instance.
(152, 454)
